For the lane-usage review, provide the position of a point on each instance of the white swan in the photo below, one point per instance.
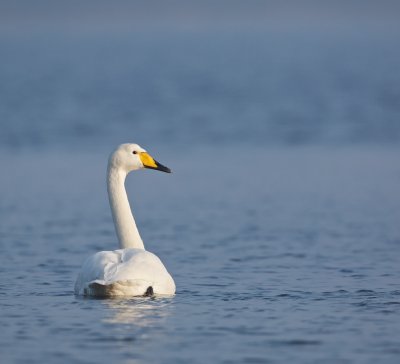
(131, 270)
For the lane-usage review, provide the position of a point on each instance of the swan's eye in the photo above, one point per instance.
(134, 152)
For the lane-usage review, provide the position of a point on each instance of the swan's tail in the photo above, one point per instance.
(118, 288)
(149, 292)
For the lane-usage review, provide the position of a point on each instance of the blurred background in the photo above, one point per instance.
(83, 73)
(280, 222)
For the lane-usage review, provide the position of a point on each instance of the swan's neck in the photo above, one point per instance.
(125, 226)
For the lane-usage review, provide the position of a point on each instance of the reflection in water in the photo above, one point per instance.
(142, 312)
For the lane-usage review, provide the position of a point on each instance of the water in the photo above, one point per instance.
(279, 224)
(252, 88)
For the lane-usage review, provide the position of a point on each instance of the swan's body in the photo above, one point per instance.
(131, 270)
(124, 272)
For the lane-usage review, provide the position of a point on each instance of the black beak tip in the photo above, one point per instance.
(165, 169)
(161, 167)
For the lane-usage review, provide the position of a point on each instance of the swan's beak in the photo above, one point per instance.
(149, 162)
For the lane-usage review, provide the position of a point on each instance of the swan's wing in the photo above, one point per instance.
(129, 271)
(95, 268)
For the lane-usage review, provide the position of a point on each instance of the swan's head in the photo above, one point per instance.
(130, 157)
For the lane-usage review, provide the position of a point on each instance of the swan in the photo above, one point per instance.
(130, 270)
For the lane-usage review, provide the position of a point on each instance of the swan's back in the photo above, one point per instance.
(124, 272)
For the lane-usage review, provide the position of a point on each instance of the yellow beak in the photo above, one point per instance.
(149, 162)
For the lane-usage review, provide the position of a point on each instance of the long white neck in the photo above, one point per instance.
(125, 226)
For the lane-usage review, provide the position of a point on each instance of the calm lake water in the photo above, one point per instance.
(280, 222)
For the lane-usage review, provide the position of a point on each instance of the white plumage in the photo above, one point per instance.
(131, 270)
(123, 272)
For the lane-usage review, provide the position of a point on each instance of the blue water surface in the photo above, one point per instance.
(280, 222)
